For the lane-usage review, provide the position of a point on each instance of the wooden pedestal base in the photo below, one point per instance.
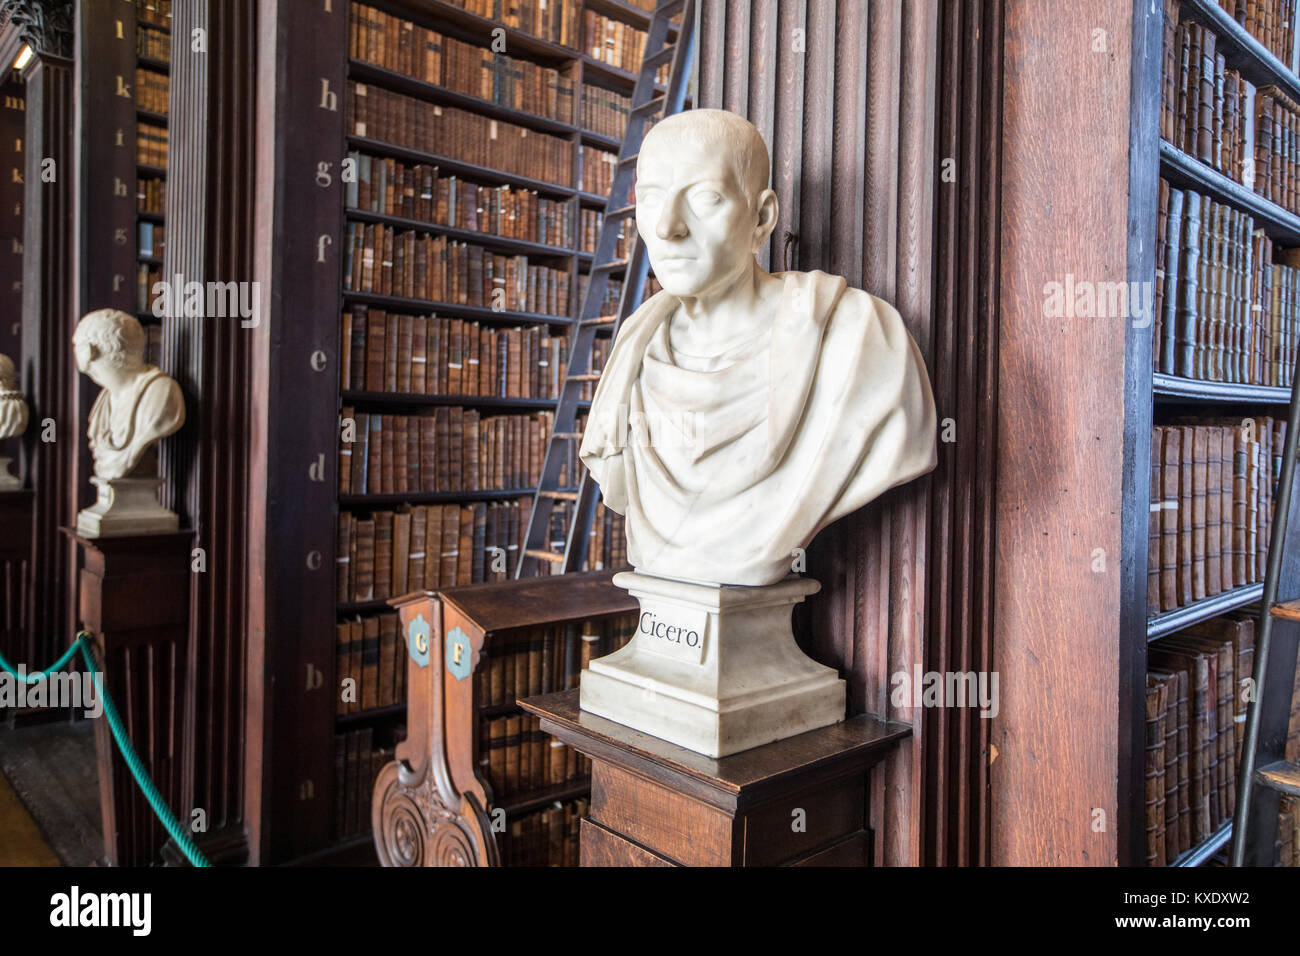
(135, 593)
(798, 801)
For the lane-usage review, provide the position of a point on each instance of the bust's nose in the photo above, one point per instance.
(671, 224)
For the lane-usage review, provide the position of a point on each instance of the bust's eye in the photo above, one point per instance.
(649, 195)
(707, 198)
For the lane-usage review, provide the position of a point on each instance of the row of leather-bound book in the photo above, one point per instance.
(451, 449)
(1211, 507)
(415, 265)
(422, 192)
(388, 553)
(1199, 684)
(1227, 301)
(458, 134)
(1210, 111)
(428, 355)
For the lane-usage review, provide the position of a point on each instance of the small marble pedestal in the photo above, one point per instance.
(714, 668)
(126, 506)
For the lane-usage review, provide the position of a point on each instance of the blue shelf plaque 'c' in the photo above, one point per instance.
(458, 654)
(417, 640)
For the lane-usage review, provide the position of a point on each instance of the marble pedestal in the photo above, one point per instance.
(126, 506)
(714, 668)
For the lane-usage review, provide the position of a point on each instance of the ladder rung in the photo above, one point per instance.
(600, 320)
(659, 59)
(649, 108)
(566, 436)
(620, 212)
(544, 556)
(584, 377)
(1281, 776)
(669, 8)
(1287, 610)
(629, 161)
(612, 266)
(557, 495)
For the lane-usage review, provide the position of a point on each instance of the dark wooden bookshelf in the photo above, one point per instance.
(1242, 51)
(489, 240)
(326, 302)
(1175, 388)
(454, 310)
(1154, 394)
(1183, 170)
(1171, 622)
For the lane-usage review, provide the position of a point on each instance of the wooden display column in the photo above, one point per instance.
(15, 575)
(135, 598)
(796, 802)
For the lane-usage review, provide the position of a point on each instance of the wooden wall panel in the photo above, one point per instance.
(47, 360)
(859, 97)
(13, 131)
(850, 113)
(1060, 433)
(210, 187)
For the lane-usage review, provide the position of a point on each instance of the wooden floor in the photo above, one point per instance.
(49, 795)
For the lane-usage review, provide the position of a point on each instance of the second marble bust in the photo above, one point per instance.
(741, 412)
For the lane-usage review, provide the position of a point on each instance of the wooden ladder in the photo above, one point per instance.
(1265, 775)
(564, 440)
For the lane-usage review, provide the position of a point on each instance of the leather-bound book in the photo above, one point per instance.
(383, 554)
(343, 589)
(1154, 797)
(401, 552)
(465, 548)
(1186, 496)
(376, 350)
(419, 543)
(369, 683)
(1173, 286)
(1241, 570)
(342, 635)
(364, 566)
(1200, 461)
(1188, 313)
(384, 679)
(1214, 545)
(450, 545)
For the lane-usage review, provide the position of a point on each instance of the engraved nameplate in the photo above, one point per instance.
(673, 632)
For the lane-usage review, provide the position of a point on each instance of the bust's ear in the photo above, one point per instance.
(767, 210)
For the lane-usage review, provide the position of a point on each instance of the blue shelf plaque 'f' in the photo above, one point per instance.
(458, 654)
(417, 640)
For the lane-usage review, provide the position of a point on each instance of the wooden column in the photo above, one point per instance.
(13, 135)
(1061, 430)
(209, 216)
(293, 434)
(48, 318)
(141, 646)
(845, 92)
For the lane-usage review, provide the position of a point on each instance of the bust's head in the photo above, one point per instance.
(703, 206)
(109, 345)
(8, 375)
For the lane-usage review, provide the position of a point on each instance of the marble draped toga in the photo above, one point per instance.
(724, 465)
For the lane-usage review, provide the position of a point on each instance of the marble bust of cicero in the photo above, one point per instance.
(740, 412)
(139, 403)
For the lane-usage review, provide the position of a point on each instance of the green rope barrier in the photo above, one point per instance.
(33, 678)
(133, 761)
